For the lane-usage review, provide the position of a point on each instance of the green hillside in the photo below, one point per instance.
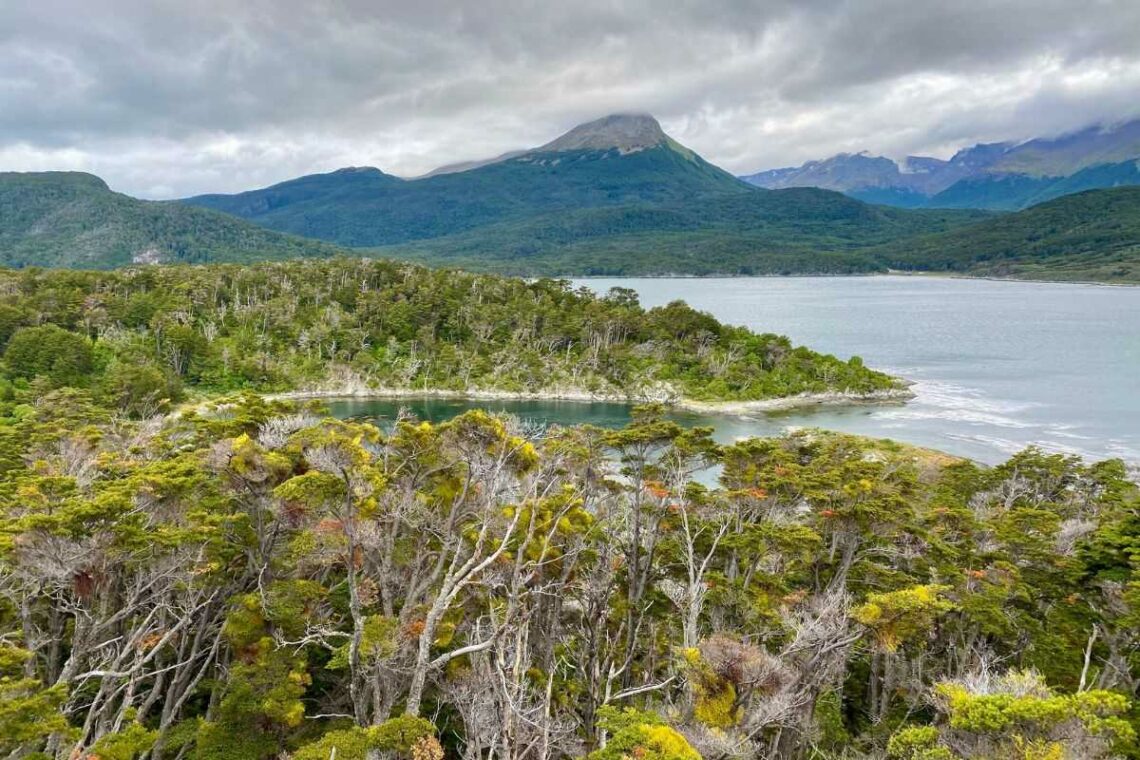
(367, 208)
(1012, 192)
(791, 231)
(71, 219)
(1094, 235)
(611, 197)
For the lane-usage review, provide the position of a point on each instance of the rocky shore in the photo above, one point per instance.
(892, 395)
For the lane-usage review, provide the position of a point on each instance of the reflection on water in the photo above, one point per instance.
(726, 428)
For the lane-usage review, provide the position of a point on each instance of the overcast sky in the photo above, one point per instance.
(165, 99)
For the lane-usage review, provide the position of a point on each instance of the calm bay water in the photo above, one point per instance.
(996, 365)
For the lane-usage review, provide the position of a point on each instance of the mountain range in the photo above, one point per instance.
(616, 196)
(612, 196)
(613, 161)
(1002, 176)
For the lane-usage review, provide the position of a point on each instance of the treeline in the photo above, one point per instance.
(247, 580)
(141, 338)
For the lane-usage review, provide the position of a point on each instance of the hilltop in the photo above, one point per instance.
(71, 219)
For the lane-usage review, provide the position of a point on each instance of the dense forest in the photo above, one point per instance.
(192, 571)
(246, 580)
(794, 231)
(1094, 235)
(141, 339)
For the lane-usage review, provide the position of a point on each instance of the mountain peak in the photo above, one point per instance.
(357, 170)
(627, 133)
(79, 180)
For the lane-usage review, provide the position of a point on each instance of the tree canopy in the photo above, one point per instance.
(251, 579)
(141, 338)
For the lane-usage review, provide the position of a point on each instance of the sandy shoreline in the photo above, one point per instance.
(830, 398)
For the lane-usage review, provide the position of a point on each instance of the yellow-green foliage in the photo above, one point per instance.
(350, 744)
(1038, 749)
(899, 617)
(263, 698)
(547, 538)
(642, 735)
(1098, 711)
(715, 697)
(917, 743)
(379, 641)
(28, 710)
(490, 432)
(127, 744)
(401, 734)
(1016, 716)
(717, 709)
(251, 460)
(401, 737)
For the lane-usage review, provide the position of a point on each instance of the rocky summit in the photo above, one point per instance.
(627, 133)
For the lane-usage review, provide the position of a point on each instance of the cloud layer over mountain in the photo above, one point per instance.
(169, 99)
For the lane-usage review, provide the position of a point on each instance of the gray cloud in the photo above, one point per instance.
(168, 98)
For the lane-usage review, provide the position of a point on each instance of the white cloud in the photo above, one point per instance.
(168, 98)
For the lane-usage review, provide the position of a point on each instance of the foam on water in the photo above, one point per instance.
(996, 366)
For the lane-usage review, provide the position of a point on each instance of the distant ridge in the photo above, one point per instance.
(1001, 176)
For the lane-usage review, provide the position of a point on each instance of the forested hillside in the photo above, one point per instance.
(248, 581)
(140, 338)
(796, 231)
(612, 197)
(364, 207)
(1094, 235)
(70, 219)
(239, 578)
